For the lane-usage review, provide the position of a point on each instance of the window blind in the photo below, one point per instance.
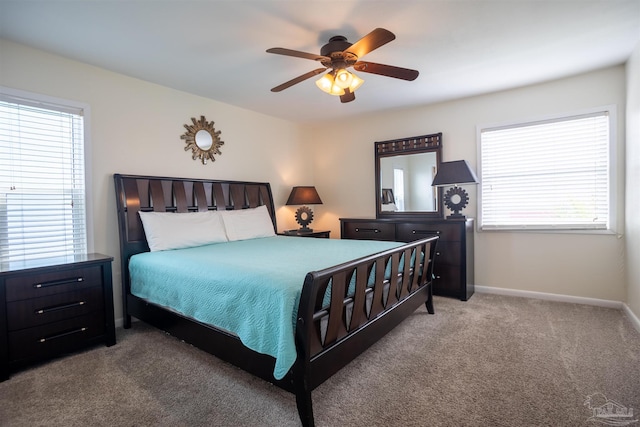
(551, 175)
(42, 183)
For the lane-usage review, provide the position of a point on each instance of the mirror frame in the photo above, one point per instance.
(404, 146)
(191, 143)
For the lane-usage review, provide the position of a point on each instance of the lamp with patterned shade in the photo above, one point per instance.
(455, 173)
(304, 195)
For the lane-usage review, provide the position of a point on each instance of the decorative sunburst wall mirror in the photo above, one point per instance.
(202, 139)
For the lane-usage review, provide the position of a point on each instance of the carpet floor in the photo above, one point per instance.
(491, 361)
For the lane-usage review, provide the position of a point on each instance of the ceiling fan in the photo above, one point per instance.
(338, 55)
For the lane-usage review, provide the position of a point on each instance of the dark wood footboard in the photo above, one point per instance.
(369, 296)
(389, 286)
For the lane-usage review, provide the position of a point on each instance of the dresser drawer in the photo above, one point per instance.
(448, 253)
(51, 283)
(408, 231)
(447, 280)
(55, 338)
(368, 230)
(37, 311)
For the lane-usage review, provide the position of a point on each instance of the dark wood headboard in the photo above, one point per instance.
(161, 194)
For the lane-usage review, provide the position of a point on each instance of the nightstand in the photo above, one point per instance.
(50, 307)
(324, 234)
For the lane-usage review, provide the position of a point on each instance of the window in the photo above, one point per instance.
(398, 187)
(548, 175)
(42, 182)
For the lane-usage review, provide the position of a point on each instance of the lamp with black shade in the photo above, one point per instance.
(454, 174)
(304, 195)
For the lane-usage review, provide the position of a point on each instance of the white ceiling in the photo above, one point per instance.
(217, 48)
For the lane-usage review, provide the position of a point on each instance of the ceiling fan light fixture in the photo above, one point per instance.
(356, 82)
(343, 78)
(328, 85)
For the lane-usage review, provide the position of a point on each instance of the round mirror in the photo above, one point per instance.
(202, 139)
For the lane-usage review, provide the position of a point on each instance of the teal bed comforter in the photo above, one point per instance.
(248, 287)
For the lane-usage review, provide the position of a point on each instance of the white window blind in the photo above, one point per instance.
(42, 183)
(551, 175)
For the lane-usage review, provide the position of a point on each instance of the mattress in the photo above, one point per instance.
(249, 287)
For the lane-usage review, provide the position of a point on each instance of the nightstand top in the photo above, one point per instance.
(313, 233)
(13, 267)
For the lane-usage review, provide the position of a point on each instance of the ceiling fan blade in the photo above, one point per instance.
(348, 96)
(297, 54)
(298, 79)
(386, 70)
(371, 41)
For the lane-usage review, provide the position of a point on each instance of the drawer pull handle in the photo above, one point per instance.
(368, 230)
(64, 334)
(58, 282)
(437, 253)
(59, 307)
(424, 232)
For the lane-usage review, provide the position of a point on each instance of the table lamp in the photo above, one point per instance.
(304, 195)
(455, 173)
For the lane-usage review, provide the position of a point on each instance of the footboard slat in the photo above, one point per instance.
(359, 309)
(336, 326)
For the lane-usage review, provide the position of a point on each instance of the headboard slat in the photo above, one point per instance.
(181, 197)
(201, 196)
(253, 195)
(157, 196)
(237, 196)
(132, 199)
(220, 203)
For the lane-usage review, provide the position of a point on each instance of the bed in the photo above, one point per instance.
(339, 301)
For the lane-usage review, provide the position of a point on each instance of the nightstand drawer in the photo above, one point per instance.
(54, 338)
(51, 283)
(53, 308)
(409, 231)
(368, 231)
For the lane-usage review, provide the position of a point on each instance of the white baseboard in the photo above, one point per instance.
(564, 298)
(632, 317)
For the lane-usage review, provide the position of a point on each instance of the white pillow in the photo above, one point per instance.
(167, 230)
(246, 224)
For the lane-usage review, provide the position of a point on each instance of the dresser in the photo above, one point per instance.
(453, 268)
(50, 307)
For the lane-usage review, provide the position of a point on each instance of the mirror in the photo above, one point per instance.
(202, 139)
(405, 169)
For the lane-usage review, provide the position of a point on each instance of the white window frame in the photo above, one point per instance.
(612, 169)
(52, 102)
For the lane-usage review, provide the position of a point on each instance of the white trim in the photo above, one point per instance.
(550, 297)
(635, 321)
(632, 317)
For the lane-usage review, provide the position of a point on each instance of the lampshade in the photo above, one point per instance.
(328, 84)
(335, 82)
(304, 196)
(454, 173)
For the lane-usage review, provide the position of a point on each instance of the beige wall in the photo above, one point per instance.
(632, 225)
(136, 128)
(583, 265)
